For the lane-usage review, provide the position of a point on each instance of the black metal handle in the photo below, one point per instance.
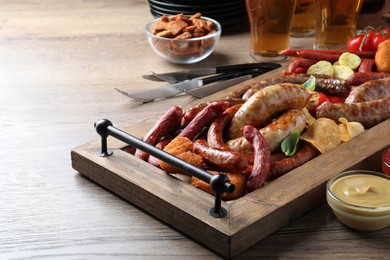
(232, 75)
(220, 183)
(267, 66)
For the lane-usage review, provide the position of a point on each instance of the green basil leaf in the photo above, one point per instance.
(289, 144)
(310, 84)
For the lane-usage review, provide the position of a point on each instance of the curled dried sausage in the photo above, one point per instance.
(215, 134)
(262, 158)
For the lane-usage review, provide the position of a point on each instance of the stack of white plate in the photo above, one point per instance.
(226, 12)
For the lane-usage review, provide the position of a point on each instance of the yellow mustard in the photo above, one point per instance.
(362, 190)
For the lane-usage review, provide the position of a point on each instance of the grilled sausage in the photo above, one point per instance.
(274, 133)
(304, 154)
(262, 157)
(371, 90)
(215, 133)
(366, 65)
(359, 77)
(168, 123)
(222, 159)
(326, 84)
(203, 118)
(368, 113)
(265, 103)
(191, 113)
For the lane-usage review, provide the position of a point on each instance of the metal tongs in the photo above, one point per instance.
(196, 83)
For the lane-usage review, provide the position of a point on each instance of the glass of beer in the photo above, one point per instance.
(303, 22)
(335, 22)
(270, 22)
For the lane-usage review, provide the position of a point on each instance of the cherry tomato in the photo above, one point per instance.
(378, 37)
(368, 39)
(321, 98)
(386, 30)
(354, 43)
(335, 99)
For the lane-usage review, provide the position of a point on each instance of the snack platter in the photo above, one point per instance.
(250, 218)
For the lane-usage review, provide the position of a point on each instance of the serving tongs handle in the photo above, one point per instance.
(220, 183)
(231, 75)
(267, 66)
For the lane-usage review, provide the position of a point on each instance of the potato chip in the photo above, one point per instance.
(309, 118)
(322, 67)
(350, 60)
(342, 72)
(323, 134)
(349, 130)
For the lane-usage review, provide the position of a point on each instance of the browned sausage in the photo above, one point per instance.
(168, 123)
(261, 167)
(191, 113)
(366, 65)
(203, 119)
(367, 113)
(316, 55)
(215, 134)
(371, 90)
(304, 154)
(153, 160)
(295, 53)
(265, 103)
(359, 77)
(326, 84)
(222, 159)
(300, 63)
(274, 133)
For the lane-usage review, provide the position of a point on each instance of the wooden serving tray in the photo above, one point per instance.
(250, 218)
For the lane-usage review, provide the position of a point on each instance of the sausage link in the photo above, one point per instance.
(295, 79)
(368, 113)
(168, 123)
(362, 54)
(327, 84)
(316, 55)
(366, 65)
(153, 160)
(359, 77)
(332, 86)
(300, 63)
(274, 133)
(191, 113)
(265, 103)
(223, 160)
(304, 154)
(203, 119)
(262, 158)
(215, 134)
(371, 90)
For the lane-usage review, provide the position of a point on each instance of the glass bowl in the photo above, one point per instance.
(184, 51)
(386, 162)
(360, 199)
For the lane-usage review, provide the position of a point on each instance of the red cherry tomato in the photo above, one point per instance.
(321, 98)
(368, 39)
(378, 37)
(386, 30)
(335, 99)
(354, 43)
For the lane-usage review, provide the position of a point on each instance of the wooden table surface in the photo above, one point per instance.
(60, 62)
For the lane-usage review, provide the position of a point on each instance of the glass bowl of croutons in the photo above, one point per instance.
(183, 39)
